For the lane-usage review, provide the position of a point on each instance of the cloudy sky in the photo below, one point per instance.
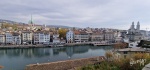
(79, 13)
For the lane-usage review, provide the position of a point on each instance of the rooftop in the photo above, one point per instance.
(76, 32)
(137, 49)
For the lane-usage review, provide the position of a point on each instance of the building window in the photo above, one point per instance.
(131, 44)
(125, 52)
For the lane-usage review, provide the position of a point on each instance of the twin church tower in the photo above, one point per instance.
(137, 29)
(134, 34)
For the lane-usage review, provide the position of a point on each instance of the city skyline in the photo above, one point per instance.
(78, 13)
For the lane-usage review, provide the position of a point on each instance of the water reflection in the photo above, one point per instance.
(17, 59)
(40, 52)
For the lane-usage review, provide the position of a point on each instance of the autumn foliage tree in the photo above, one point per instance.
(62, 33)
(7, 25)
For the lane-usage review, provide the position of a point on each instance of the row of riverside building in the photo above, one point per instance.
(27, 37)
(80, 36)
(45, 37)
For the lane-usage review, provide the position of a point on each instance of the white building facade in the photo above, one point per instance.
(109, 36)
(118, 37)
(41, 37)
(56, 38)
(27, 37)
(70, 36)
(2, 38)
(97, 37)
(8, 38)
(81, 37)
(16, 38)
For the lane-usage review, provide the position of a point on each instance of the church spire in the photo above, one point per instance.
(31, 19)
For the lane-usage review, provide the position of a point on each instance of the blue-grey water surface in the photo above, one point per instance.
(17, 59)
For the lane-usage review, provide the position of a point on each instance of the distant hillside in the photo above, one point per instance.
(9, 21)
(58, 26)
(14, 22)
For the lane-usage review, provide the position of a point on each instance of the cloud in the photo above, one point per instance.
(78, 13)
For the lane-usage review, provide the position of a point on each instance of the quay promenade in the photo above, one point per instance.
(89, 43)
(73, 44)
(21, 46)
(55, 45)
(65, 65)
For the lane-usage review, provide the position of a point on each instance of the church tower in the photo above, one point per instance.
(134, 32)
(138, 26)
(132, 26)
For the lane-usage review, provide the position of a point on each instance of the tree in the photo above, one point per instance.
(62, 33)
(7, 25)
(14, 26)
(144, 44)
(138, 56)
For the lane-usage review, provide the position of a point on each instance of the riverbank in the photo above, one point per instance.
(65, 65)
(89, 43)
(22, 46)
(76, 44)
(42, 46)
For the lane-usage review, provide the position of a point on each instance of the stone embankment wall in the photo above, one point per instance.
(65, 65)
(74, 44)
(22, 46)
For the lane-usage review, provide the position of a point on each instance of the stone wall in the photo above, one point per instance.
(65, 65)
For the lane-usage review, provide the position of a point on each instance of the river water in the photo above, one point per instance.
(17, 59)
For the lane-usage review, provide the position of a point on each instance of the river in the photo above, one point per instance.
(17, 59)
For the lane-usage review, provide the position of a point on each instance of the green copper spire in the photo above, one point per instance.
(31, 19)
